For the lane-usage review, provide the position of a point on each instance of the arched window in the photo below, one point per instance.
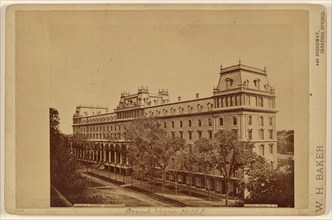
(229, 83)
(189, 123)
(256, 83)
(172, 124)
(181, 124)
(199, 123)
(189, 109)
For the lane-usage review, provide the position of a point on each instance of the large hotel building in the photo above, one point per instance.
(242, 101)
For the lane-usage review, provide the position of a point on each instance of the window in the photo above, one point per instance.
(232, 100)
(173, 134)
(209, 106)
(221, 121)
(238, 100)
(189, 123)
(248, 100)
(165, 125)
(260, 101)
(271, 148)
(229, 83)
(250, 134)
(261, 134)
(181, 134)
(256, 82)
(260, 120)
(199, 123)
(181, 124)
(172, 124)
(271, 134)
(189, 109)
(199, 134)
(218, 103)
(270, 121)
(249, 120)
(262, 150)
(234, 120)
(210, 134)
(210, 121)
(190, 135)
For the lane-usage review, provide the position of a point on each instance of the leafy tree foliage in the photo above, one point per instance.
(150, 149)
(63, 165)
(285, 142)
(230, 155)
(270, 186)
(184, 160)
(204, 158)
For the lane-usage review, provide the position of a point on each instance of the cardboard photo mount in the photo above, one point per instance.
(27, 90)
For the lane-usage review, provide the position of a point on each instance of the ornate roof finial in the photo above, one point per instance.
(239, 60)
(264, 68)
(220, 67)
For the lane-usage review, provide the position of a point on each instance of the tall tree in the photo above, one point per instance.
(230, 155)
(145, 139)
(63, 165)
(184, 160)
(166, 148)
(203, 158)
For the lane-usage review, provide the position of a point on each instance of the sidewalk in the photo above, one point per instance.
(199, 197)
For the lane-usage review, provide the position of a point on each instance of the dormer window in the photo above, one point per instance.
(189, 109)
(229, 83)
(246, 83)
(256, 82)
(209, 106)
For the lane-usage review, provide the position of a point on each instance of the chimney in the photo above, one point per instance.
(179, 98)
(197, 95)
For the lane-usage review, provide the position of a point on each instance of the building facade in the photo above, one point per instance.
(242, 101)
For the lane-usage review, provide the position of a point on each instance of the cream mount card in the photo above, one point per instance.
(199, 110)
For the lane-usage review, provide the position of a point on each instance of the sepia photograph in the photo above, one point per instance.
(167, 109)
(176, 110)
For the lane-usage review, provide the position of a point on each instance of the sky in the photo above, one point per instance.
(94, 56)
